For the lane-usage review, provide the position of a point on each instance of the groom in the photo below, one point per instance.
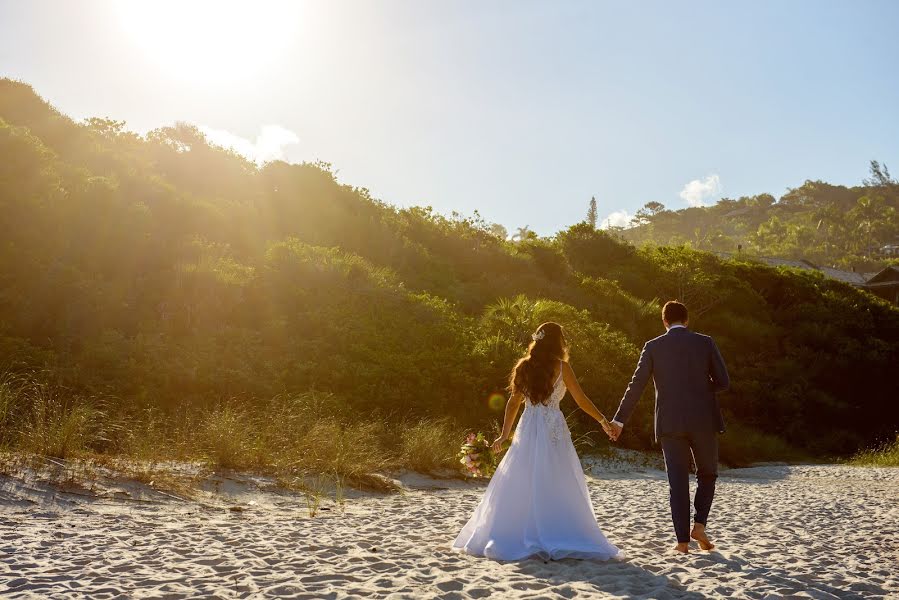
(687, 370)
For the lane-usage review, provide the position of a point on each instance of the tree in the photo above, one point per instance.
(106, 127)
(874, 220)
(499, 231)
(182, 137)
(688, 276)
(880, 176)
(591, 213)
(649, 210)
(523, 233)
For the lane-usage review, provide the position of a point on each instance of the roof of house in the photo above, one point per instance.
(889, 275)
(846, 276)
(785, 262)
(885, 276)
(769, 260)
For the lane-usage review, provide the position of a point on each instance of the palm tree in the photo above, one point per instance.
(523, 233)
(512, 319)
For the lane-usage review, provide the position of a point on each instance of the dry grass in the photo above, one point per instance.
(315, 489)
(150, 436)
(882, 455)
(429, 446)
(10, 392)
(294, 437)
(41, 418)
(339, 497)
(228, 438)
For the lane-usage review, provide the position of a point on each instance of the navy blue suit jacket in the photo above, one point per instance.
(688, 371)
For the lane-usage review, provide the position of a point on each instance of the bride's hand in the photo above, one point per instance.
(608, 428)
(498, 443)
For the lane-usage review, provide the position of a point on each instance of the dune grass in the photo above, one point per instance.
(296, 438)
(38, 417)
(429, 446)
(302, 439)
(885, 454)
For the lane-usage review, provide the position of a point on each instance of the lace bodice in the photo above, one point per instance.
(554, 398)
(549, 412)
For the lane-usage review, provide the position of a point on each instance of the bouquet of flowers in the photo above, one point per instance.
(477, 457)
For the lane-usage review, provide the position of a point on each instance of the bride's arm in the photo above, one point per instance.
(580, 397)
(512, 407)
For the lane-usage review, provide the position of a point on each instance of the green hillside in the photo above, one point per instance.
(830, 225)
(162, 285)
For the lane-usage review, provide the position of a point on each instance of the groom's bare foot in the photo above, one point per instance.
(699, 535)
(682, 548)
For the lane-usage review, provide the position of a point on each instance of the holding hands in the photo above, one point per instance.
(613, 430)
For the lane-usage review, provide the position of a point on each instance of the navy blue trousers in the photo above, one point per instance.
(677, 449)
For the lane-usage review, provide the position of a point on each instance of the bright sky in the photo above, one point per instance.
(522, 110)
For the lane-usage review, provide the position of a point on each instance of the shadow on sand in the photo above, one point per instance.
(624, 578)
(614, 577)
(763, 577)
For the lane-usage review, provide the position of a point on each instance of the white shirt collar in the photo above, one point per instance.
(676, 325)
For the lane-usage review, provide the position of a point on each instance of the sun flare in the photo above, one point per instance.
(208, 40)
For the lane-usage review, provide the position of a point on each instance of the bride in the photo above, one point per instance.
(537, 502)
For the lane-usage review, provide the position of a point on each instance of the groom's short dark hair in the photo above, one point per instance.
(674, 312)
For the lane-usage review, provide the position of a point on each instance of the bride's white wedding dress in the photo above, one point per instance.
(537, 502)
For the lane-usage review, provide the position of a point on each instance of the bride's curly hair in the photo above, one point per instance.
(533, 375)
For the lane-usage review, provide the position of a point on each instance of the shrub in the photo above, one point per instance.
(741, 446)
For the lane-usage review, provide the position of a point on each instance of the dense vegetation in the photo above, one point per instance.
(160, 291)
(830, 225)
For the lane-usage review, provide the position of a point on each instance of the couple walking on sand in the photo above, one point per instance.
(537, 502)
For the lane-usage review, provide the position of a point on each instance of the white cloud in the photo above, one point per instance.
(269, 144)
(619, 218)
(698, 190)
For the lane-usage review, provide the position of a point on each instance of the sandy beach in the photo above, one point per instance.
(782, 531)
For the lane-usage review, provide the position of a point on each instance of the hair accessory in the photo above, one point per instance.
(538, 336)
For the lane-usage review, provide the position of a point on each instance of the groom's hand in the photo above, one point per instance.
(607, 427)
(615, 432)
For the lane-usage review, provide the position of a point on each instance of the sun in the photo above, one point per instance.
(210, 39)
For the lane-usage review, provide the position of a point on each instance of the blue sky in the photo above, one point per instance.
(521, 110)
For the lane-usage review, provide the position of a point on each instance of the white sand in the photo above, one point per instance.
(802, 531)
